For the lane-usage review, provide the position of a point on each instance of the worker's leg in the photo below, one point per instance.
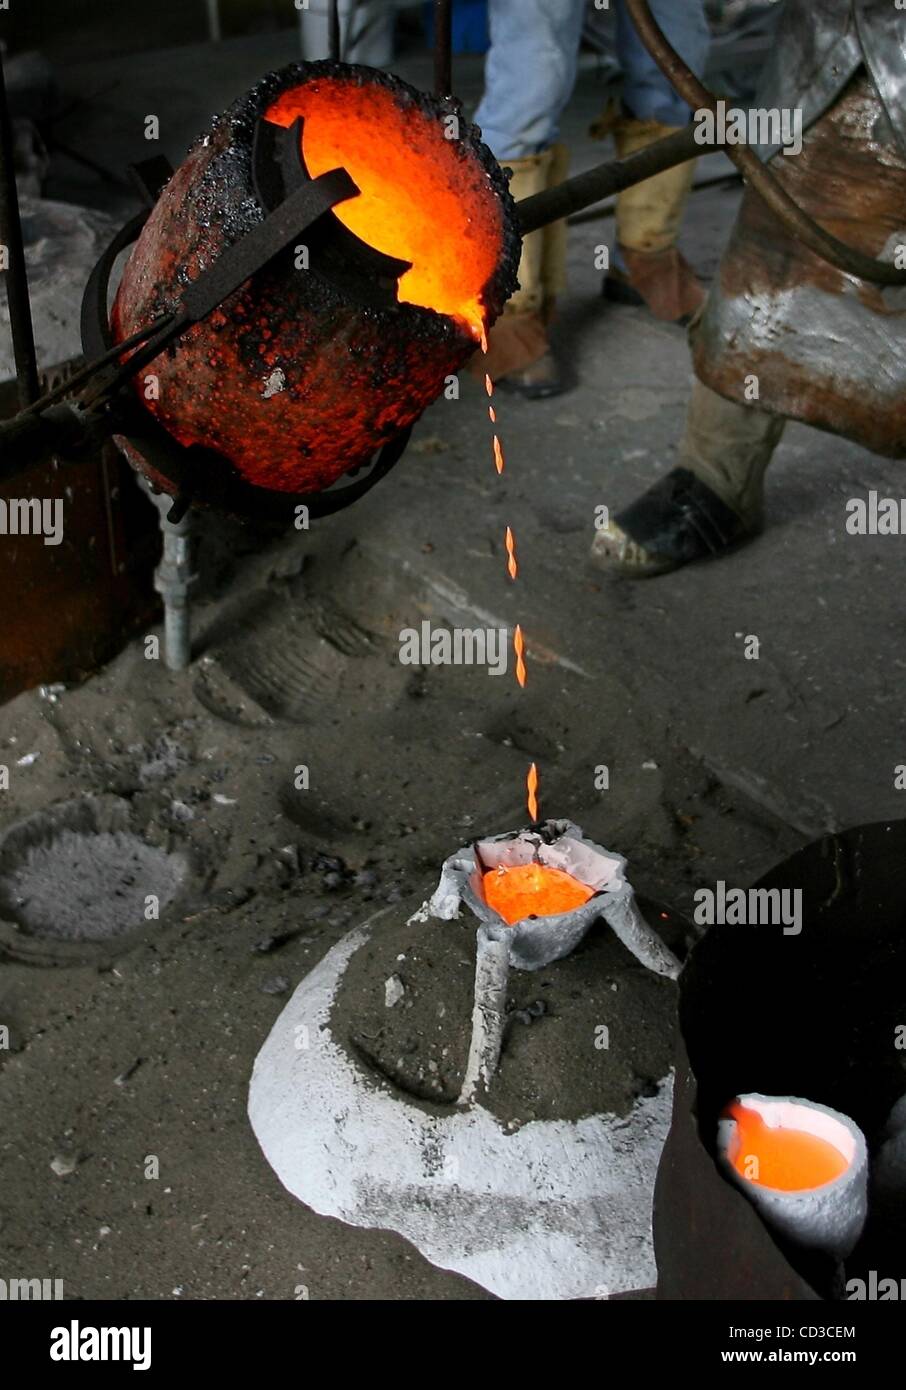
(529, 77)
(713, 500)
(646, 91)
(530, 71)
(648, 268)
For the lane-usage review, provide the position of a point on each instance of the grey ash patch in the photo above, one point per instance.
(79, 873)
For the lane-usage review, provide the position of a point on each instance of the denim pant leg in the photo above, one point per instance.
(646, 91)
(530, 71)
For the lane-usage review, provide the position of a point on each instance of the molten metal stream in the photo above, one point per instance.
(531, 783)
(787, 1159)
(512, 571)
(519, 649)
(512, 568)
(532, 890)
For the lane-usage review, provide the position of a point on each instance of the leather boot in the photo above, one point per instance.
(709, 504)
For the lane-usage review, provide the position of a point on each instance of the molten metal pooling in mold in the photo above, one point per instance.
(532, 890)
(783, 1158)
(411, 181)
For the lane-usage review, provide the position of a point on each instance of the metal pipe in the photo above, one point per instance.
(172, 580)
(797, 222)
(334, 45)
(604, 179)
(215, 34)
(443, 47)
(20, 320)
(177, 636)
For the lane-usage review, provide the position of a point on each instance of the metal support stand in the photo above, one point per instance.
(215, 33)
(172, 580)
(492, 970)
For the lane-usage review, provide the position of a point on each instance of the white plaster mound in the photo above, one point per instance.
(557, 1210)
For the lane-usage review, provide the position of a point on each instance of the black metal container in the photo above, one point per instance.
(812, 1015)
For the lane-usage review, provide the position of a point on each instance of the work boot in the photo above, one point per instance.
(710, 503)
(519, 356)
(663, 281)
(648, 267)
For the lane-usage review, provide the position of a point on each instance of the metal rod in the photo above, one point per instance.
(766, 185)
(214, 30)
(333, 31)
(583, 190)
(20, 320)
(595, 213)
(79, 378)
(173, 579)
(443, 47)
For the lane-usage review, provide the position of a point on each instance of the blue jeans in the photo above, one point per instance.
(531, 68)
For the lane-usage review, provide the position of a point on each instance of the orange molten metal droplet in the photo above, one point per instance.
(531, 783)
(788, 1159)
(519, 649)
(512, 567)
(498, 455)
(492, 415)
(532, 890)
(488, 384)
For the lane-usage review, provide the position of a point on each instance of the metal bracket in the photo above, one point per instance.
(364, 274)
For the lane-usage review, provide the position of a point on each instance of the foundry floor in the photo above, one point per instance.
(719, 766)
